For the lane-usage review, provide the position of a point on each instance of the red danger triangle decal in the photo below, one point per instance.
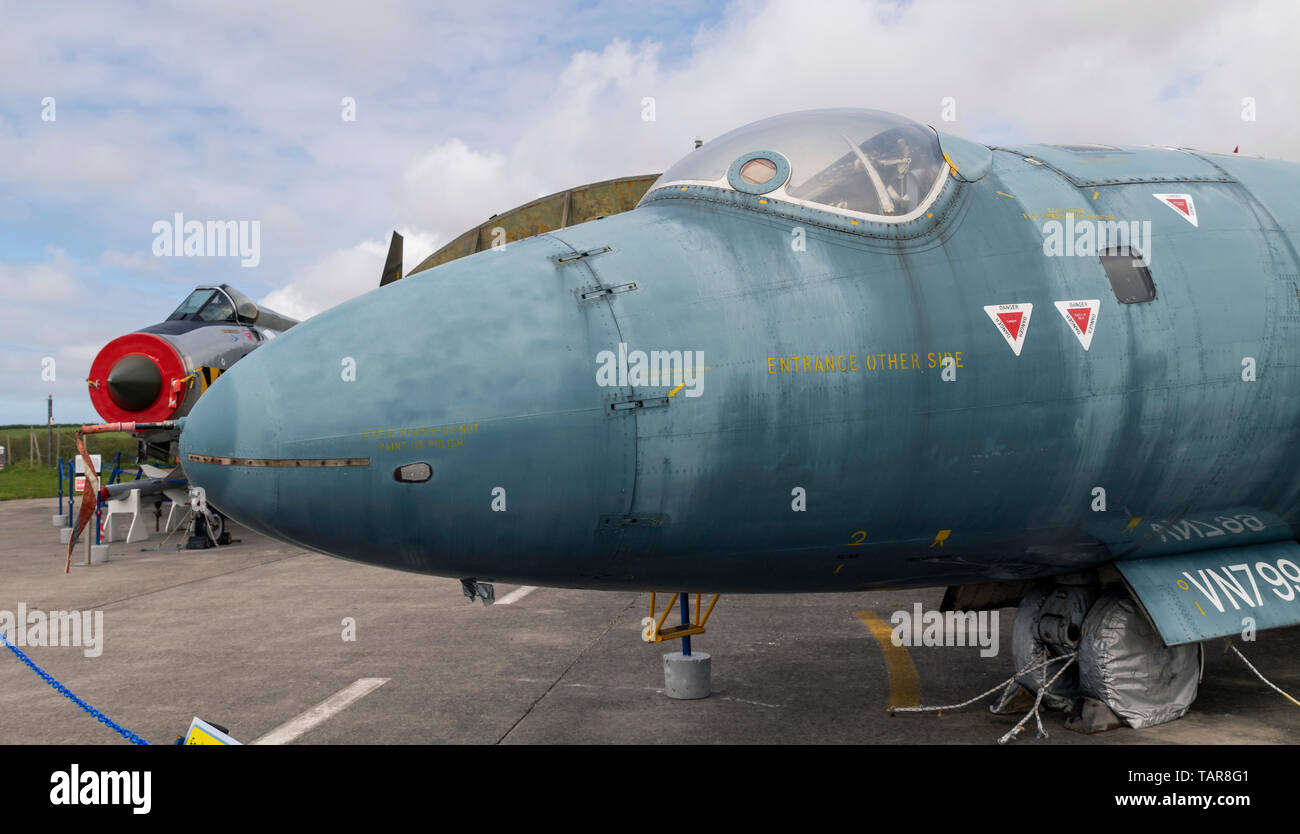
(1181, 203)
(1012, 321)
(1081, 316)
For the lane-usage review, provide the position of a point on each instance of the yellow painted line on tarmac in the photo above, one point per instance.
(904, 682)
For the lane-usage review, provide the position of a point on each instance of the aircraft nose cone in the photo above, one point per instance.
(228, 442)
(410, 426)
(134, 382)
(270, 450)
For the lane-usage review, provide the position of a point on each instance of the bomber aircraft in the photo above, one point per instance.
(832, 350)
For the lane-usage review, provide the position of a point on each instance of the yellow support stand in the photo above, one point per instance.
(653, 630)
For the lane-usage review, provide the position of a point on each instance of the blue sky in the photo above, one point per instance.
(231, 110)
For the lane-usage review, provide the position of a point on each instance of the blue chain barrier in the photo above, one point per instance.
(71, 696)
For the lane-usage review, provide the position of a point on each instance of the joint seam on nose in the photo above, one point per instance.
(289, 462)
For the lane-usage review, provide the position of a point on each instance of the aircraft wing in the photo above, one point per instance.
(1218, 593)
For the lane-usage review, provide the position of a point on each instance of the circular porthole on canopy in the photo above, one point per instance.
(758, 172)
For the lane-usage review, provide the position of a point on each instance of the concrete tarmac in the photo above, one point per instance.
(252, 637)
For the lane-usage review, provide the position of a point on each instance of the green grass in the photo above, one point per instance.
(21, 480)
(17, 439)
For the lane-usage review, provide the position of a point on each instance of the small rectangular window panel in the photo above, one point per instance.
(1128, 274)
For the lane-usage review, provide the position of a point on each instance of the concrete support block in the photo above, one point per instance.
(687, 677)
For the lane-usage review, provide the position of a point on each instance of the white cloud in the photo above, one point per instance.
(136, 262)
(52, 310)
(342, 274)
(1062, 74)
(27, 286)
(450, 187)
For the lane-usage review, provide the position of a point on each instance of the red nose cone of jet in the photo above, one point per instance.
(131, 379)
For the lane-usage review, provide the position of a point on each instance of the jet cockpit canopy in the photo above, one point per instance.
(867, 163)
(224, 303)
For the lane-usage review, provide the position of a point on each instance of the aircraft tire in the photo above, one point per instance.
(1125, 664)
(1026, 647)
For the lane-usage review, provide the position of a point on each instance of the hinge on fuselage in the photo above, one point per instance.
(612, 521)
(603, 292)
(642, 402)
(568, 259)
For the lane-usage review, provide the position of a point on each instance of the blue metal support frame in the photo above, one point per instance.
(686, 619)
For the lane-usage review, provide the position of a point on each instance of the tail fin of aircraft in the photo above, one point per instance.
(393, 264)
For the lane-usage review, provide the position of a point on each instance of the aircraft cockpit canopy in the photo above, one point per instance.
(216, 304)
(859, 162)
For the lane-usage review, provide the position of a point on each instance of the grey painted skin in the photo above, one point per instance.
(697, 494)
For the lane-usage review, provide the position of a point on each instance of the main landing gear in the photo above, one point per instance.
(1119, 669)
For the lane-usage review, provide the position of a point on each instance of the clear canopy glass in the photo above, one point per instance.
(218, 309)
(223, 303)
(863, 161)
(192, 303)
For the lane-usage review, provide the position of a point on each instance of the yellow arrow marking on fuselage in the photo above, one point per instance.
(673, 392)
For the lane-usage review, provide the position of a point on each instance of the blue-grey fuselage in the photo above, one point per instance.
(734, 387)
